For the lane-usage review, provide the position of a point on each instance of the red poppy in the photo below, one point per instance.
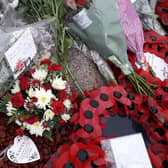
(156, 161)
(79, 155)
(90, 131)
(148, 77)
(88, 114)
(54, 67)
(119, 94)
(17, 100)
(104, 97)
(125, 83)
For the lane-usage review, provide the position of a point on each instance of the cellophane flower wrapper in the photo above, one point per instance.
(132, 28)
(148, 17)
(100, 29)
(106, 146)
(43, 39)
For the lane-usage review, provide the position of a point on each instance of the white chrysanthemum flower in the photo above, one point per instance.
(10, 109)
(67, 103)
(31, 92)
(48, 115)
(65, 117)
(44, 97)
(58, 83)
(16, 87)
(36, 128)
(40, 74)
(18, 122)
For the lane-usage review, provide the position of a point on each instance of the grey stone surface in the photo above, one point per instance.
(84, 71)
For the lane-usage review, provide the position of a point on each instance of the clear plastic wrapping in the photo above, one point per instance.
(23, 47)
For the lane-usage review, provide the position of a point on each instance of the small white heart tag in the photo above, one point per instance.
(23, 151)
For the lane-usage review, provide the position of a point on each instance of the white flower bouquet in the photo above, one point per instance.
(40, 100)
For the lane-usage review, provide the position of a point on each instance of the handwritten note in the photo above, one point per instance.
(159, 66)
(20, 51)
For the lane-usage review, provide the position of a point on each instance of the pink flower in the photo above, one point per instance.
(71, 3)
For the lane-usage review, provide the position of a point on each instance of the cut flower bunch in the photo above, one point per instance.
(40, 100)
(105, 35)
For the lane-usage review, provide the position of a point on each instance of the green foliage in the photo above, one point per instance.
(11, 119)
(48, 134)
(4, 100)
(36, 10)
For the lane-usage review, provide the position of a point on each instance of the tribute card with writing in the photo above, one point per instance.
(159, 66)
(22, 50)
(127, 152)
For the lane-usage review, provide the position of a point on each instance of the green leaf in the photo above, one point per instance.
(4, 100)
(11, 119)
(48, 134)
(67, 43)
(161, 119)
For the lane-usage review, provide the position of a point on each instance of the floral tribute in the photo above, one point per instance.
(40, 100)
(89, 121)
(74, 4)
(79, 154)
(161, 10)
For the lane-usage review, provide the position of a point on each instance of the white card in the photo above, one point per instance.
(82, 19)
(159, 66)
(130, 152)
(23, 151)
(20, 51)
(132, 1)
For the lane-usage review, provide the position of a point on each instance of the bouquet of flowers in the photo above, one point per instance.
(40, 100)
(99, 27)
(23, 47)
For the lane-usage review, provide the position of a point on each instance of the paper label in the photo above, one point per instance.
(132, 1)
(159, 66)
(129, 152)
(23, 151)
(22, 50)
(82, 19)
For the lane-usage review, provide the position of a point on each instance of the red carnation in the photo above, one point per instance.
(58, 107)
(45, 62)
(17, 100)
(81, 2)
(47, 86)
(62, 95)
(54, 67)
(33, 70)
(24, 83)
(31, 120)
(20, 132)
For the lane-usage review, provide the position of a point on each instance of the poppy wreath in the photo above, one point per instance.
(156, 44)
(162, 11)
(113, 100)
(152, 113)
(88, 154)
